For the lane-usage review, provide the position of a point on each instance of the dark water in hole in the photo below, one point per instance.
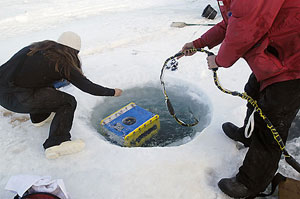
(152, 99)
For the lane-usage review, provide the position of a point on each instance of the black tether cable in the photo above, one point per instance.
(288, 158)
(167, 100)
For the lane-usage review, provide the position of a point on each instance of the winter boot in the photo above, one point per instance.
(238, 134)
(41, 119)
(233, 188)
(235, 133)
(65, 148)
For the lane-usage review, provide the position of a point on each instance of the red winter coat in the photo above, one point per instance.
(266, 33)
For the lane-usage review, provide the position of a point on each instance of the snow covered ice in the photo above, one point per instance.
(124, 44)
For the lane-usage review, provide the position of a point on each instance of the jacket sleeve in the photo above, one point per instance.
(212, 37)
(84, 84)
(248, 23)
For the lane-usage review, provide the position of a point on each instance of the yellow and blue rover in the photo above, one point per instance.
(131, 125)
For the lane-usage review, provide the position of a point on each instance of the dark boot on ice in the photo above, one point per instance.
(233, 188)
(235, 133)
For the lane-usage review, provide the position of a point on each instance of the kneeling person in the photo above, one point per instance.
(26, 86)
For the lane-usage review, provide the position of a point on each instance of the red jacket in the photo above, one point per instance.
(266, 33)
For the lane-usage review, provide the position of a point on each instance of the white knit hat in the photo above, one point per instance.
(70, 39)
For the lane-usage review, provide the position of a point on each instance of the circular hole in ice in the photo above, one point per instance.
(151, 98)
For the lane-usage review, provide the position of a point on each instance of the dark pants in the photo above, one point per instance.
(280, 102)
(38, 102)
(252, 89)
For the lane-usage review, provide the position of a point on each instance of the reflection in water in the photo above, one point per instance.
(152, 99)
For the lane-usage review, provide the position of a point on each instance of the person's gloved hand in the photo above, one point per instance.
(118, 92)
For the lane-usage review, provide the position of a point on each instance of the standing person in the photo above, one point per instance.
(26, 86)
(266, 33)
